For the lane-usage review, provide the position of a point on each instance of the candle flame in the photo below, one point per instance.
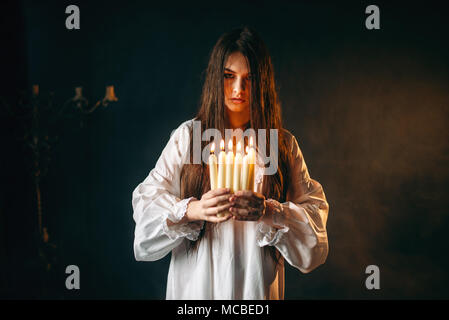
(222, 145)
(246, 149)
(230, 145)
(251, 141)
(239, 147)
(212, 149)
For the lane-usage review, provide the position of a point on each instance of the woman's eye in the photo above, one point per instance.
(228, 75)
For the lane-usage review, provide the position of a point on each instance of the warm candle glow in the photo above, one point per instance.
(222, 145)
(246, 149)
(239, 147)
(212, 149)
(230, 145)
(251, 141)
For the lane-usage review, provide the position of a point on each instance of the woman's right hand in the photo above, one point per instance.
(211, 203)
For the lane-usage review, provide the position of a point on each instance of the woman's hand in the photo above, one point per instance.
(247, 205)
(211, 203)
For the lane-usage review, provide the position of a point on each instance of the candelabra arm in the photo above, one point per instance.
(95, 106)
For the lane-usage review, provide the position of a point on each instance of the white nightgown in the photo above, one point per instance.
(230, 262)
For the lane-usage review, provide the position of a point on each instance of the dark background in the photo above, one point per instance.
(370, 110)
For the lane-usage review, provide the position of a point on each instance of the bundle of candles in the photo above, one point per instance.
(234, 171)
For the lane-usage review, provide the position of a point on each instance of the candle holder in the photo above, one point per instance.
(79, 102)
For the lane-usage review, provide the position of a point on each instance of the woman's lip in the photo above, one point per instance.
(235, 100)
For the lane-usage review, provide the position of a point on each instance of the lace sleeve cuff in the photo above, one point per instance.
(267, 234)
(189, 230)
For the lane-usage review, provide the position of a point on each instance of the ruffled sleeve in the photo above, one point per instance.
(157, 199)
(298, 226)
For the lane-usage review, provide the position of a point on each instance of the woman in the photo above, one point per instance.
(238, 255)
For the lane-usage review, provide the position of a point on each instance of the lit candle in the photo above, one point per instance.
(229, 166)
(213, 168)
(237, 169)
(221, 183)
(251, 164)
(245, 171)
(221, 167)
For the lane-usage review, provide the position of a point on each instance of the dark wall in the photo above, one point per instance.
(370, 110)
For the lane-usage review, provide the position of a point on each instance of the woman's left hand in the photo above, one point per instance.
(247, 205)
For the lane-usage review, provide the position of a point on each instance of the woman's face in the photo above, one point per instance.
(237, 83)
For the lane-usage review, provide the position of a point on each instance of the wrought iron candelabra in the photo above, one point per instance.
(37, 118)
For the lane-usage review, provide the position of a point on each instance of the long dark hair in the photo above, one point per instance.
(265, 113)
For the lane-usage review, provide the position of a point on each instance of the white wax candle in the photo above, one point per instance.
(213, 168)
(237, 169)
(229, 166)
(221, 183)
(245, 171)
(221, 167)
(251, 165)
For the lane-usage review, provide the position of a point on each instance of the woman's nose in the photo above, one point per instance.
(239, 86)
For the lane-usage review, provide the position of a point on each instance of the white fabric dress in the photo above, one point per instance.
(230, 262)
